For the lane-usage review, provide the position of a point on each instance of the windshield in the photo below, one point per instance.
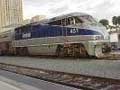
(88, 19)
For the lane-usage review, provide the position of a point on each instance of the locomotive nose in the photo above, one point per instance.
(105, 33)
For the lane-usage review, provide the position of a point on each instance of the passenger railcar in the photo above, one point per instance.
(75, 34)
(6, 39)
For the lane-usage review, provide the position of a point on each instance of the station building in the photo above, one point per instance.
(11, 13)
(37, 18)
(115, 39)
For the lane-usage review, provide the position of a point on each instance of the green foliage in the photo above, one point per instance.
(115, 20)
(118, 19)
(104, 22)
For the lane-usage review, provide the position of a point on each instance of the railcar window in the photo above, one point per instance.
(64, 22)
(55, 22)
(119, 37)
(26, 28)
(67, 21)
(18, 30)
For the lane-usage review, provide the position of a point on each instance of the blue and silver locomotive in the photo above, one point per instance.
(74, 34)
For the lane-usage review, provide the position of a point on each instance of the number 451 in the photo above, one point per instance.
(74, 31)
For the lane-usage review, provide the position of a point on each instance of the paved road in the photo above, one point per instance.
(12, 81)
(6, 86)
(103, 68)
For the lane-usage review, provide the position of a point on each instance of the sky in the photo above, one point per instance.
(99, 9)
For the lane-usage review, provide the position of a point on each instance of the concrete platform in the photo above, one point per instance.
(101, 68)
(12, 81)
(6, 86)
(114, 55)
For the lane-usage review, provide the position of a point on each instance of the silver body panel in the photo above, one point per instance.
(48, 46)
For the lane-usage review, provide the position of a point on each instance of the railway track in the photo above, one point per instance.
(84, 82)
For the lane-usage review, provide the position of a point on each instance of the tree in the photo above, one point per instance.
(118, 20)
(115, 20)
(104, 22)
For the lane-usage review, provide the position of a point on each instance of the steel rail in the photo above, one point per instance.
(85, 82)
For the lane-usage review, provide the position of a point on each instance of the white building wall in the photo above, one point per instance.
(10, 12)
(115, 40)
(114, 37)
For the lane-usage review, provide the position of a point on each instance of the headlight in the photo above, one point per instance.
(98, 37)
(106, 48)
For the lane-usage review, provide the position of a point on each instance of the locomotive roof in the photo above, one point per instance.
(61, 17)
(66, 16)
(46, 21)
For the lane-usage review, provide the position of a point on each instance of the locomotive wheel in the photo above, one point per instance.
(59, 51)
(73, 50)
(25, 51)
(66, 51)
(79, 50)
(17, 51)
(22, 51)
(1, 53)
(83, 52)
(62, 51)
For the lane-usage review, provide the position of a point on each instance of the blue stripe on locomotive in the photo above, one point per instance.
(40, 31)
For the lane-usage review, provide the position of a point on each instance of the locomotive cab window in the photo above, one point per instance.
(67, 21)
(78, 20)
(88, 19)
(73, 21)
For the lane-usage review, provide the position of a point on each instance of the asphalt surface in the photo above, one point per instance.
(102, 68)
(6, 86)
(12, 81)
